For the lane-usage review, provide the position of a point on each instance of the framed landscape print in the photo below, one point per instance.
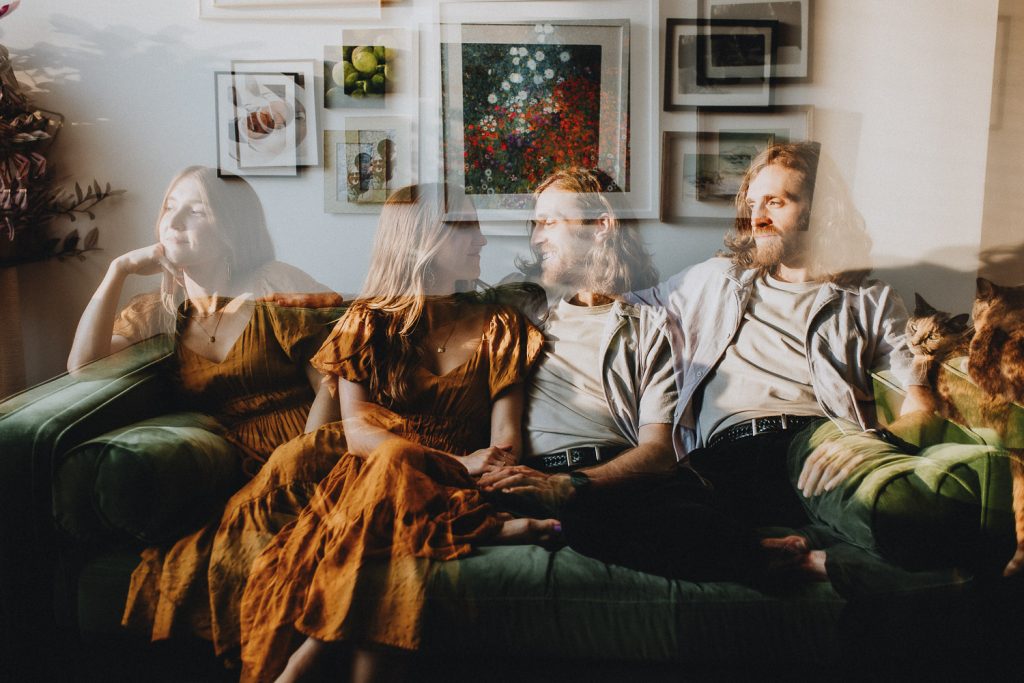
(522, 99)
(792, 37)
(308, 149)
(365, 163)
(256, 125)
(742, 81)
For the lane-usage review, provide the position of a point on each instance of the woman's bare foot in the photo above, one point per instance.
(526, 530)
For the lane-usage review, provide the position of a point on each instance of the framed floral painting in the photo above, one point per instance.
(521, 99)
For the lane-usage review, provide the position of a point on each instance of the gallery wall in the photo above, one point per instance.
(901, 94)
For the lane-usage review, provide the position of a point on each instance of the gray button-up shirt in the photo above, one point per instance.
(852, 331)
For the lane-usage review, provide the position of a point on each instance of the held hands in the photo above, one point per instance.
(144, 261)
(553, 490)
(487, 460)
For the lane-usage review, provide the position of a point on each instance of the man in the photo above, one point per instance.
(601, 404)
(779, 336)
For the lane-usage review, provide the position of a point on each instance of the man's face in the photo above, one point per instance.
(561, 238)
(778, 214)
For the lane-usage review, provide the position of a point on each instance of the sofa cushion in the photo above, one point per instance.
(152, 481)
(949, 504)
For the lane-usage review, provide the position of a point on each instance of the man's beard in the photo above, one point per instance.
(770, 251)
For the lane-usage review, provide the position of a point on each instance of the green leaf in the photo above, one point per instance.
(78, 192)
(91, 239)
(96, 187)
(108, 188)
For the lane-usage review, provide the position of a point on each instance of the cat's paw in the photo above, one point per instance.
(1016, 563)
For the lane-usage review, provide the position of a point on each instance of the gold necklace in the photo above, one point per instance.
(444, 347)
(219, 313)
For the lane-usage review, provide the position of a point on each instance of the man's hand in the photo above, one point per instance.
(553, 490)
(828, 466)
(1016, 563)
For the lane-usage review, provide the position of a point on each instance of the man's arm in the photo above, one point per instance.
(653, 455)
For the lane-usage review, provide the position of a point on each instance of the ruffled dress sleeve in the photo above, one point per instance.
(514, 347)
(301, 331)
(144, 317)
(348, 351)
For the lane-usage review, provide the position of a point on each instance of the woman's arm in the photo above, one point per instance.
(93, 338)
(325, 408)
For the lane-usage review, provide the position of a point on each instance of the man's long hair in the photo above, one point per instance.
(620, 263)
(838, 245)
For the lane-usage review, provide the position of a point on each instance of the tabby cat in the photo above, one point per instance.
(996, 365)
(933, 336)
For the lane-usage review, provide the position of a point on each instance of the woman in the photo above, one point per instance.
(239, 359)
(430, 386)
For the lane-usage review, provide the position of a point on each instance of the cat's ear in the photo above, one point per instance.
(959, 322)
(922, 307)
(986, 289)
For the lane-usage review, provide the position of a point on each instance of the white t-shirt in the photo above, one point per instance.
(566, 405)
(765, 370)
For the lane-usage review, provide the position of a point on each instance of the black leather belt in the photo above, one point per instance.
(573, 458)
(762, 425)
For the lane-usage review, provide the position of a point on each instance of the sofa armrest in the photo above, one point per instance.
(151, 481)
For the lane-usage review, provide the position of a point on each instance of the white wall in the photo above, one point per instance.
(901, 90)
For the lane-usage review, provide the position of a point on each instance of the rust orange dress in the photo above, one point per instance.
(352, 566)
(260, 395)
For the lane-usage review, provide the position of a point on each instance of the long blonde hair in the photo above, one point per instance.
(620, 263)
(412, 231)
(236, 216)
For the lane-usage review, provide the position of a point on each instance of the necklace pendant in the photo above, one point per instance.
(213, 339)
(441, 349)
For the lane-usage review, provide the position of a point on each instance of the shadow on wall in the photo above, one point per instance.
(139, 107)
(952, 289)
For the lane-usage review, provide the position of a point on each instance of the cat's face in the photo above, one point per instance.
(932, 333)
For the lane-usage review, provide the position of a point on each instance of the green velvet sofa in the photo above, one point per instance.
(69, 537)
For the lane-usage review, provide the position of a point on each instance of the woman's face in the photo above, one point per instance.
(186, 229)
(459, 255)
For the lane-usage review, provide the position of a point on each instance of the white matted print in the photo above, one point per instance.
(305, 100)
(367, 162)
(255, 119)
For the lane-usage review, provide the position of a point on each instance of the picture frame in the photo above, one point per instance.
(697, 186)
(289, 10)
(366, 162)
(736, 52)
(393, 59)
(731, 140)
(306, 109)
(792, 37)
(624, 31)
(685, 89)
(255, 126)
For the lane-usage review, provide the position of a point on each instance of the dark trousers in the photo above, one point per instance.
(669, 525)
(751, 479)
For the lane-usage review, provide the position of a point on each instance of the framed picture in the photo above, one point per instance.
(733, 139)
(687, 42)
(256, 126)
(515, 108)
(371, 67)
(702, 171)
(365, 163)
(308, 150)
(792, 37)
(568, 83)
(289, 10)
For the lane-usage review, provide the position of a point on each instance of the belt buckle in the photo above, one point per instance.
(573, 457)
(785, 422)
(753, 426)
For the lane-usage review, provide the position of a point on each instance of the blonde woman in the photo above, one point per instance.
(239, 358)
(431, 389)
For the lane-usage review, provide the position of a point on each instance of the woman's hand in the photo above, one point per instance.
(145, 261)
(487, 459)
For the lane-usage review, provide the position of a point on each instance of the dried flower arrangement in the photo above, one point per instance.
(28, 199)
